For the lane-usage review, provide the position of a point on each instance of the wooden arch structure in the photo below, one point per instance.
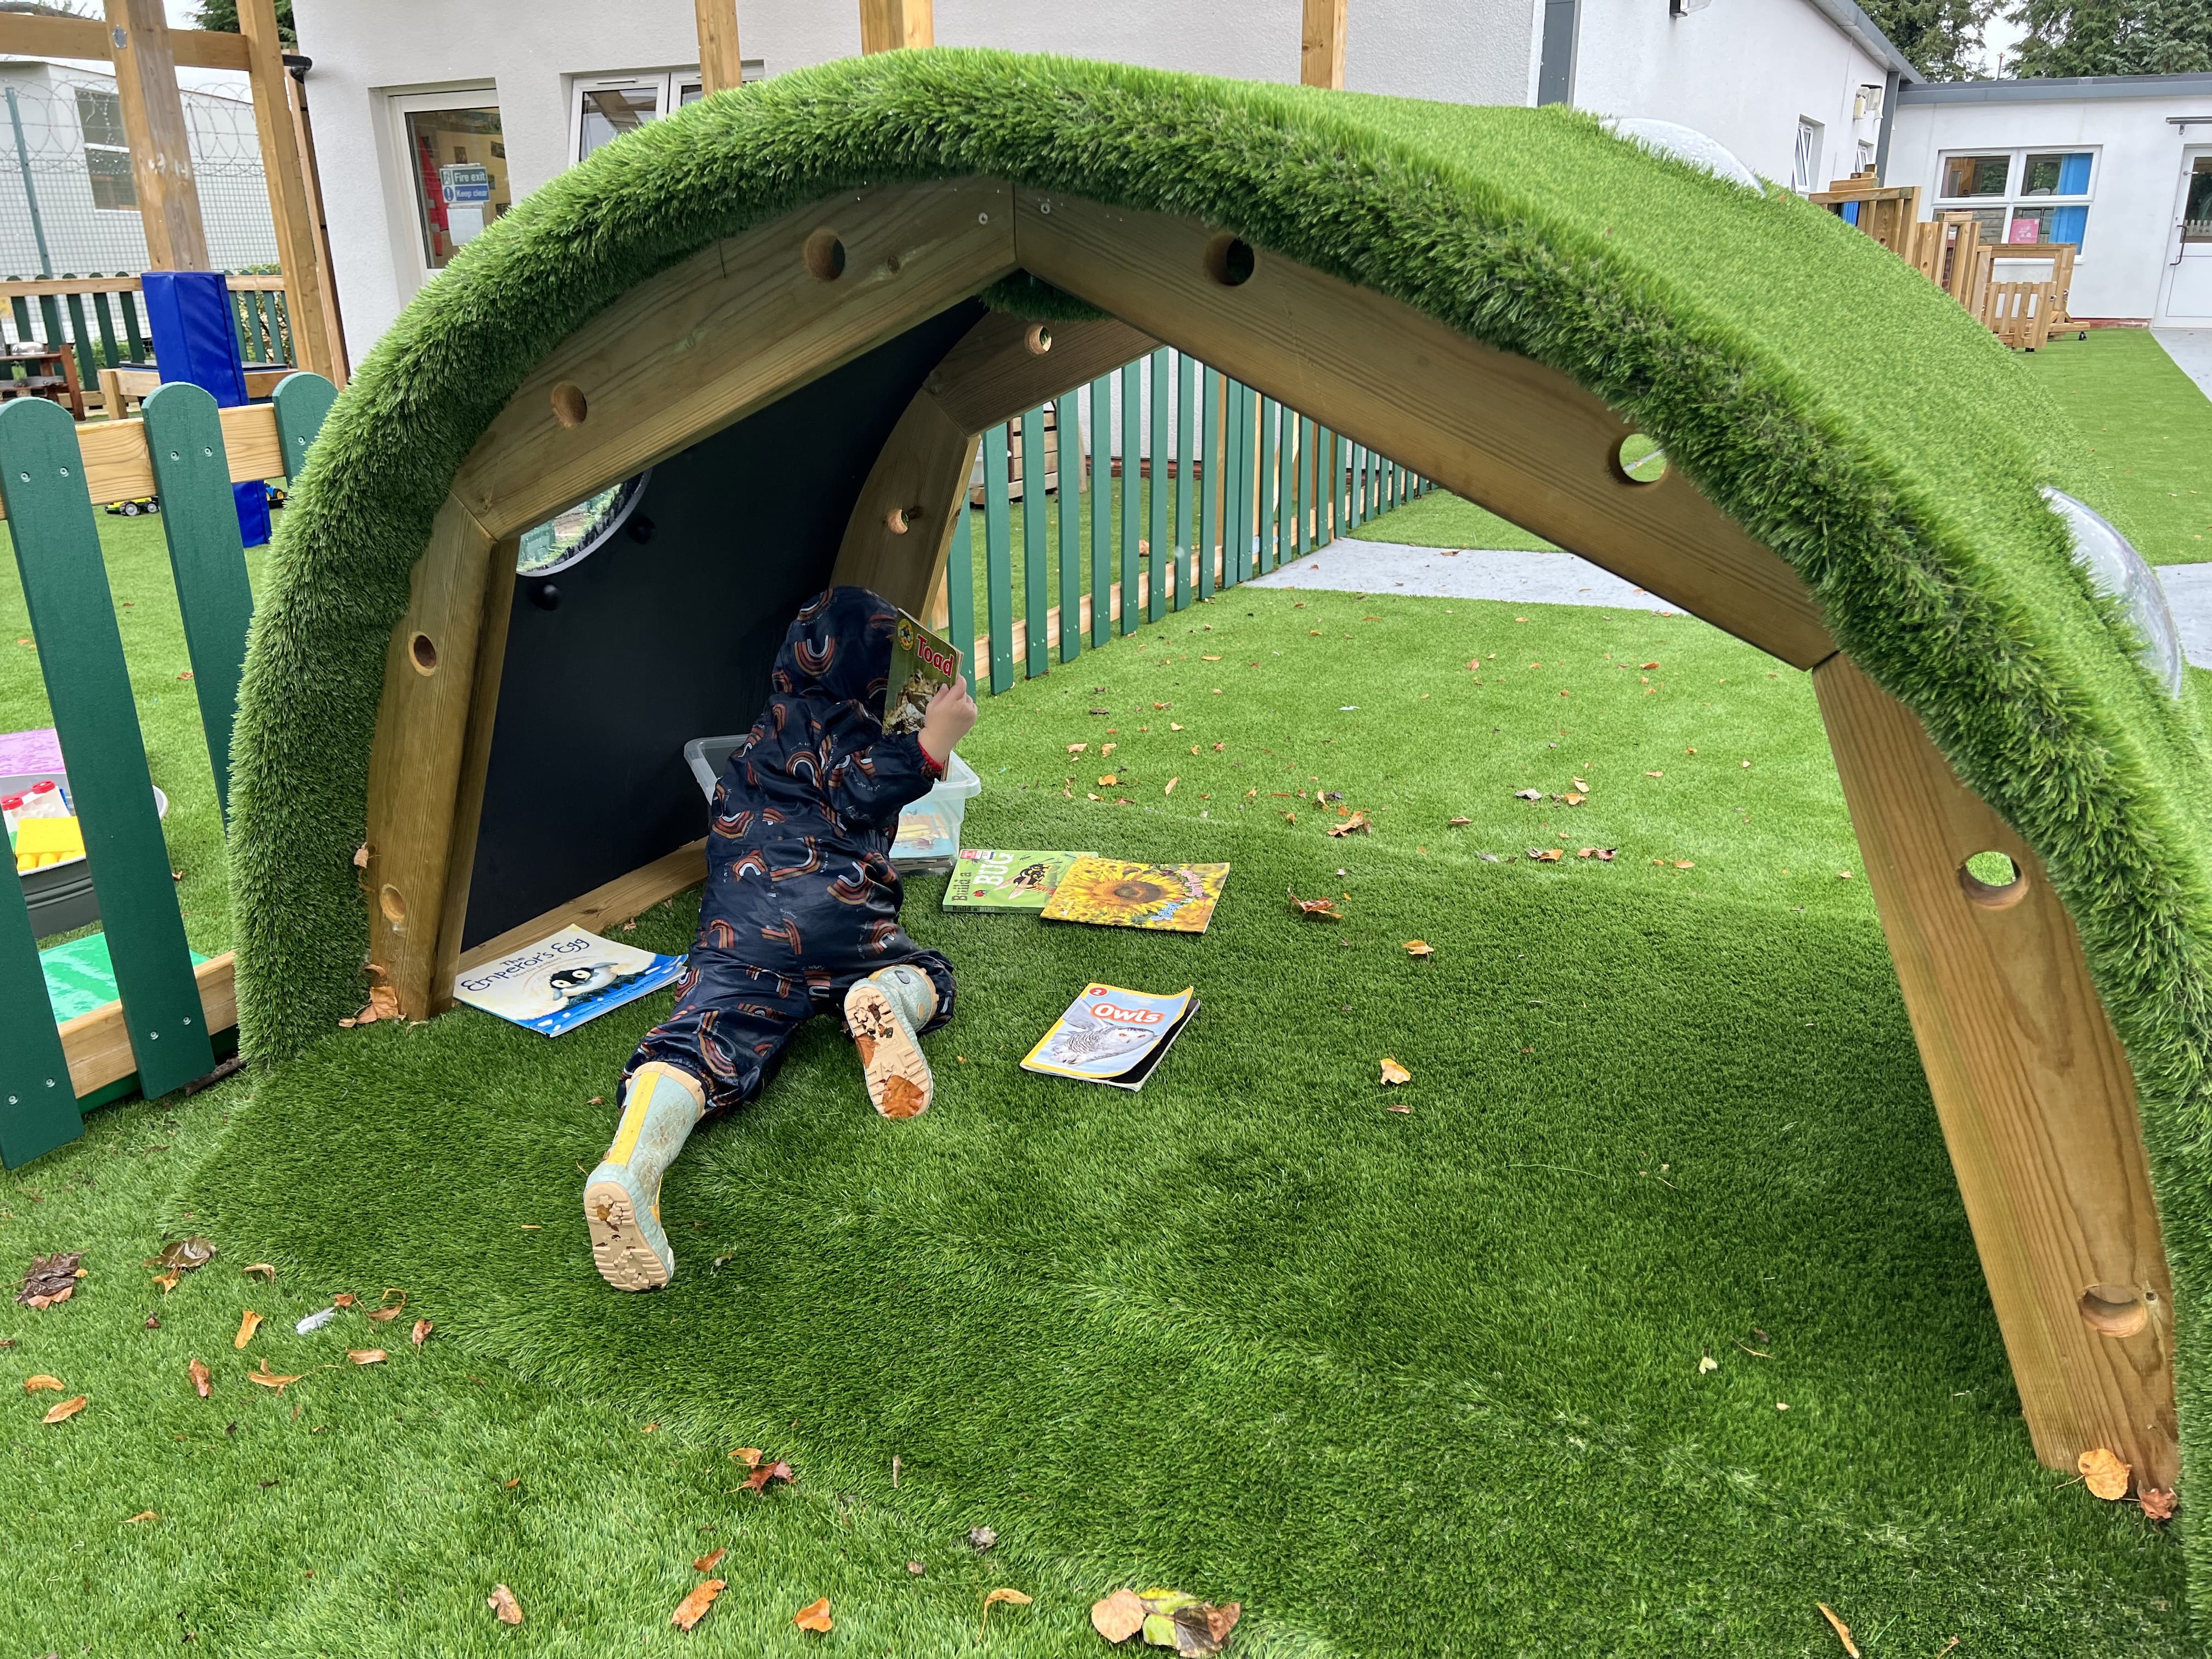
(2035, 1094)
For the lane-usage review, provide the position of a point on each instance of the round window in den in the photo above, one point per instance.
(2116, 570)
(576, 534)
(1684, 144)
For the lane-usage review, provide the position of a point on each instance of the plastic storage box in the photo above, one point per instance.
(929, 831)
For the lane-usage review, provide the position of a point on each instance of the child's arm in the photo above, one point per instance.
(870, 785)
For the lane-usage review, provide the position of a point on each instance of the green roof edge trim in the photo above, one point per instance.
(1824, 395)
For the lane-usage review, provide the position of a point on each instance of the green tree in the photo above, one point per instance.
(2114, 37)
(221, 16)
(1941, 38)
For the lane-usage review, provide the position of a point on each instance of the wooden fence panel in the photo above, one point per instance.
(57, 554)
(199, 518)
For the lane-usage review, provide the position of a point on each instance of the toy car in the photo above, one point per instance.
(136, 505)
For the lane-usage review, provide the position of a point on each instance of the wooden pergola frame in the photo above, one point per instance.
(2033, 1090)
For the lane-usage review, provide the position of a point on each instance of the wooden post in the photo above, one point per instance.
(303, 127)
(722, 65)
(153, 124)
(1321, 45)
(2032, 1087)
(888, 25)
(298, 246)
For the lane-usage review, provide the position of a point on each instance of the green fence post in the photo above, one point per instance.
(1068, 420)
(1271, 424)
(1236, 486)
(89, 688)
(21, 309)
(88, 361)
(108, 349)
(1133, 512)
(38, 1107)
(1100, 449)
(960, 592)
(1186, 556)
(199, 517)
(302, 401)
(1037, 518)
(1155, 493)
(1210, 497)
(998, 559)
(135, 336)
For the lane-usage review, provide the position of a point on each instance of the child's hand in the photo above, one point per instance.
(951, 717)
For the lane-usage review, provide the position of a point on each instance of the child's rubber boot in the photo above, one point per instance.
(883, 1012)
(622, 1197)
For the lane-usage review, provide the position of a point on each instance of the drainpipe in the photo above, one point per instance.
(1555, 72)
(49, 309)
(1889, 89)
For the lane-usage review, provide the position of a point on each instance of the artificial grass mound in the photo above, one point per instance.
(1420, 1383)
(1729, 325)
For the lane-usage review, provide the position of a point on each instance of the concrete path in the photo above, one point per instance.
(1358, 567)
(1348, 566)
(2192, 347)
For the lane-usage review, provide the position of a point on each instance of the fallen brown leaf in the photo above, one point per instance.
(2158, 1503)
(750, 1455)
(269, 1379)
(1325, 908)
(201, 1385)
(1650, 665)
(1356, 824)
(1415, 947)
(142, 1515)
(423, 1329)
(760, 1477)
(247, 1326)
(981, 1538)
(48, 1278)
(814, 1616)
(709, 1563)
(360, 856)
(66, 1410)
(167, 1281)
(1546, 854)
(345, 1298)
(1011, 1597)
(1170, 790)
(1394, 1072)
(33, 1384)
(693, 1607)
(366, 1356)
(1459, 823)
(1119, 1616)
(502, 1601)
(1843, 1630)
(1528, 794)
(1077, 747)
(390, 1309)
(2104, 1473)
(1602, 855)
(265, 1271)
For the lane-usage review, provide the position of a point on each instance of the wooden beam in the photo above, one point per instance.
(998, 370)
(88, 39)
(1524, 439)
(298, 248)
(2033, 1090)
(725, 332)
(617, 902)
(161, 144)
(98, 1045)
(915, 498)
(117, 466)
(721, 64)
(414, 761)
(1321, 45)
(303, 127)
(889, 24)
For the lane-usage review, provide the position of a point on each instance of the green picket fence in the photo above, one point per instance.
(1216, 483)
(53, 522)
(112, 333)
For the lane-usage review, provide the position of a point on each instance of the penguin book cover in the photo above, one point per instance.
(1112, 1035)
(558, 983)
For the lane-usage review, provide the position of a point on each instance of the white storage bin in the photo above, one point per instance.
(929, 831)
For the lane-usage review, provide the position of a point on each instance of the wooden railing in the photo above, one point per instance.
(1215, 484)
(160, 1034)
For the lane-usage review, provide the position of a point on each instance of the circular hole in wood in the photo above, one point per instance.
(2114, 1309)
(425, 653)
(895, 521)
(1641, 459)
(1229, 260)
(824, 256)
(1993, 880)
(1038, 339)
(569, 407)
(393, 906)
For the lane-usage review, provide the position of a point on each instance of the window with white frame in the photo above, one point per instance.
(2020, 195)
(1805, 170)
(106, 152)
(602, 108)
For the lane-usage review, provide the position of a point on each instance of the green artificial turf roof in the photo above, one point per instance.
(1818, 391)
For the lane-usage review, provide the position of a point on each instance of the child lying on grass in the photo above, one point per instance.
(800, 917)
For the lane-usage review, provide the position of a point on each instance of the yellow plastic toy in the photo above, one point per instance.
(47, 841)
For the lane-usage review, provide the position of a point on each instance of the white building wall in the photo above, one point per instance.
(2136, 180)
(1742, 72)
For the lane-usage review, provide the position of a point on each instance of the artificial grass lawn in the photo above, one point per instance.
(2151, 425)
(1426, 1382)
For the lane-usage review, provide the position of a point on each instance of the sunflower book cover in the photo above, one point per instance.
(1113, 1037)
(920, 662)
(1012, 881)
(1175, 898)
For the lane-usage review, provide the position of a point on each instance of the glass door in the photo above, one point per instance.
(2188, 300)
(454, 152)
